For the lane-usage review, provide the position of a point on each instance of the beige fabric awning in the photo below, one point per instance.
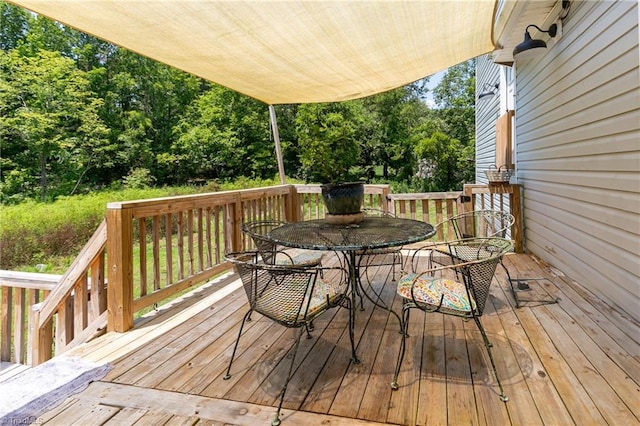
(290, 51)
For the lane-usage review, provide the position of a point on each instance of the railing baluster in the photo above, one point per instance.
(142, 232)
(180, 241)
(201, 264)
(191, 251)
(168, 232)
(156, 252)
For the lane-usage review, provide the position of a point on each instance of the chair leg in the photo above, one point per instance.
(349, 305)
(488, 345)
(309, 328)
(247, 317)
(513, 290)
(404, 326)
(276, 421)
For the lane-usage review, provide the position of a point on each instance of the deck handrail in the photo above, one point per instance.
(186, 238)
(78, 301)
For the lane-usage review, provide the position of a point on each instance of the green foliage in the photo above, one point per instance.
(327, 136)
(138, 178)
(222, 135)
(47, 114)
(455, 97)
(14, 23)
(439, 167)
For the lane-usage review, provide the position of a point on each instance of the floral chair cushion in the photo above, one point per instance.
(429, 291)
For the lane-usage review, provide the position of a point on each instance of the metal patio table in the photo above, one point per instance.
(371, 233)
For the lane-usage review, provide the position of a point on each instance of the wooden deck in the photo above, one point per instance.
(574, 362)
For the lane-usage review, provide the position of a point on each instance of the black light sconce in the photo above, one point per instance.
(535, 45)
(530, 43)
(488, 90)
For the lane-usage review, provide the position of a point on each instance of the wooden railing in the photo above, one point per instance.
(56, 313)
(20, 291)
(155, 249)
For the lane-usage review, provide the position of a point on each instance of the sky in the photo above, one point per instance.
(433, 82)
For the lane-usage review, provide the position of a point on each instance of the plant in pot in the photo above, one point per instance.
(328, 150)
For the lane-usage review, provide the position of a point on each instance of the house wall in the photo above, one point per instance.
(487, 112)
(577, 130)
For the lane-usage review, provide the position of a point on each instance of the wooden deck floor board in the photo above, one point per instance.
(568, 363)
(460, 397)
(204, 366)
(548, 403)
(611, 407)
(180, 347)
(432, 396)
(351, 394)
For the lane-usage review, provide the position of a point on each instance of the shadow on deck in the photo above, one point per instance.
(574, 362)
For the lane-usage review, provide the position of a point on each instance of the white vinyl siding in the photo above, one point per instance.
(578, 150)
(487, 112)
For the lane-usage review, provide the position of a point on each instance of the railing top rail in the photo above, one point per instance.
(31, 280)
(426, 196)
(184, 200)
(315, 188)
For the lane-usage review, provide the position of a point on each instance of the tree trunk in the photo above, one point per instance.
(43, 177)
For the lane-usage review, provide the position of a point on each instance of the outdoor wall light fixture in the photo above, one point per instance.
(533, 46)
(488, 90)
(529, 43)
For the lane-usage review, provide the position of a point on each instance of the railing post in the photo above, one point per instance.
(385, 200)
(515, 205)
(292, 205)
(234, 223)
(468, 201)
(6, 310)
(120, 271)
(40, 338)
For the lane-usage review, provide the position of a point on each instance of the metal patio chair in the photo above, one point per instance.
(272, 253)
(460, 289)
(488, 223)
(292, 296)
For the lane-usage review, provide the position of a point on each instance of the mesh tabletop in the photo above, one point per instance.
(372, 232)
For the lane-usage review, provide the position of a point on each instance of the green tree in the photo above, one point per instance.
(395, 115)
(143, 101)
(50, 128)
(455, 98)
(327, 134)
(14, 24)
(222, 135)
(439, 159)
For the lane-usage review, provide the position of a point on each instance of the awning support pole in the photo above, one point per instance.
(276, 139)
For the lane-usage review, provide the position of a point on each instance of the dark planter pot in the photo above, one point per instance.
(343, 198)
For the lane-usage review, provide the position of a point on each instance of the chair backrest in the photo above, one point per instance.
(480, 223)
(479, 258)
(377, 213)
(291, 296)
(258, 232)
